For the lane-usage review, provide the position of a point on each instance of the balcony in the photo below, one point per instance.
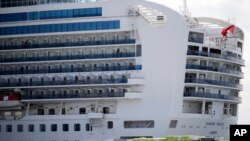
(56, 45)
(213, 96)
(214, 82)
(215, 69)
(218, 56)
(68, 57)
(77, 69)
(63, 82)
(73, 96)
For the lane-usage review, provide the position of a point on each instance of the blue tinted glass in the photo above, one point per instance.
(19, 30)
(47, 28)
(25, 30)
(105, 25)
(99, 25)
(87, 26)
(47, 15)
(53, 28)
(42, 15)
(64, 27)
(36, 29)
(36, 15)
(93, 25)
(31, 16)
(70, 27)
(59, 27)
(58, 14)
(76, 12)
(82, 12)
(87, 12)
(41, 28)
(93, 11)
(70, 13)
(30, 29)
(99, 11)
(76, 27)
(117, 24)
(82, 26)
(53, 14)
(64, 13)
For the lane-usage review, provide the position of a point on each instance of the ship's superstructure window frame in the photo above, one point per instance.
(77, 127)
(19, 128)
(64, 27)
(31, 128)
(139, 124)
(8, 128)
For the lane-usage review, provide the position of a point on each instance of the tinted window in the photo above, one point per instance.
(42, 127)
(77, 127)
(65, 127)
(31, 127)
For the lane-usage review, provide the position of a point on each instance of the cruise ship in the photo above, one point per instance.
(77, 70)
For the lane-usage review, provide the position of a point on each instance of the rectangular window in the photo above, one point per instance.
(88, 127)
(53, 127)
(77, 127)
(102, 25)
(31, 128)
(173, 123)
(8, 128)
(196, 37)
(139, 124)
(42, 127)
(82, 110)
(19, 128)
(110, 124)
(65, 127)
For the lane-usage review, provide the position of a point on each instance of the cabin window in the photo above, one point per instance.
(40, 111)
(42, 127)
(88, 127)
(31, 127)
(77, 127)
(19, 128)
(173, 123)
(110, 124)
(82, 110)
(53, 127)
(52, 112)
(65, 127)
(139, 124)
(105, 110)
(8, 128)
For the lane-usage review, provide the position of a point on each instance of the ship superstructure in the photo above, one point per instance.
(74, 70)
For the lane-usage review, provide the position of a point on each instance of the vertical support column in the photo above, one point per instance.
(60, 108)
(28, 109)
(203, 107)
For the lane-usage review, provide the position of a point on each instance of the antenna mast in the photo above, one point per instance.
(185, 8)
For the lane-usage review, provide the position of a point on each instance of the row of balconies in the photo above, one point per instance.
(215, 69)
(68, 57)
(218, 56)
(213, 96)
(214, 82)
(28, 45)
(72, 69)
(64, 82)
(74, 95)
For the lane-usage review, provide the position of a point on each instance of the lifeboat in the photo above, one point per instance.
(10, 100)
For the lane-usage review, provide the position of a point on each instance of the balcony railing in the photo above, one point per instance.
(214, 82)
(68, 57)
(73, 95)
(214, 96)
(83, 43)
(214, 55)
(63, 82)
(216, 69)
(78, 69)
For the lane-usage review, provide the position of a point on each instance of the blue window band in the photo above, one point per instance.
(55, 14)
(65, 27)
